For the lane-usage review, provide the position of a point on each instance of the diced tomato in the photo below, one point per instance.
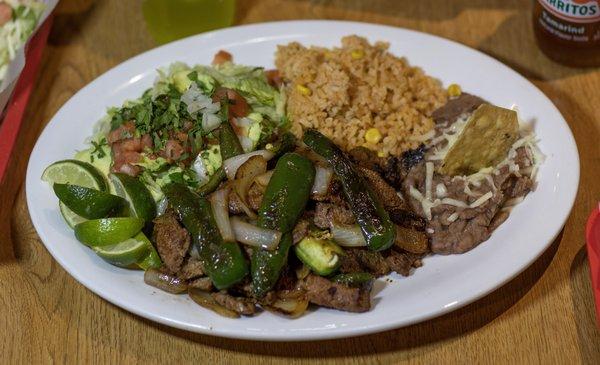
(274, 78)
(147, 142)
(181, 137)
(187, 125)
(124, 161)
(131, 170)
(173, 150)
(126, 130)
(238, 106)
(221, 57)
(5, 13)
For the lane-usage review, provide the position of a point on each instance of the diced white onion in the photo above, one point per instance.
(200, 168)
(210, 122)
(196, 101)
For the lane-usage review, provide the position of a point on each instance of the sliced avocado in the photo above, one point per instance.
(207, 163)
(255, 128)
(181, 80)
(321, 255)
(101, 160)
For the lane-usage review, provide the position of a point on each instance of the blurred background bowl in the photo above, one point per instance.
(16, 66)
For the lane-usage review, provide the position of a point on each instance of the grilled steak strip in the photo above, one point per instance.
(172, 241)
(325, 293)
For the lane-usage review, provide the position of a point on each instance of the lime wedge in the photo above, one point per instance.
(141, 203)
(107, 231)
(126, 253)
(151, 260)
(86, 202)
(70, 216)
(75, 173)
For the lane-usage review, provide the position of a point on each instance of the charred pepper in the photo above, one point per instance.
(284, 200)
(374, 221)
(223, 261)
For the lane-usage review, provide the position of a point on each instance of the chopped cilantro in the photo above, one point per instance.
(98, 150)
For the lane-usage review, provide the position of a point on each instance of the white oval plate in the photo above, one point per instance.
(443, 284)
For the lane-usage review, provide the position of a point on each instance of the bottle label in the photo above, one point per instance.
(575, 11)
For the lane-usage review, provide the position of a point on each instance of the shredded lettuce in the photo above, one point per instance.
(180, 100)
(14, 34)
(252, 84)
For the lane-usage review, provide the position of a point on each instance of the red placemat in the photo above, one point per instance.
(9, 127)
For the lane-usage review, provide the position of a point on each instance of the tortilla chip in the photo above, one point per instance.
(484, 142)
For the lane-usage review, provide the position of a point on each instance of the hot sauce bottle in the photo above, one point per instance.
(568, 31)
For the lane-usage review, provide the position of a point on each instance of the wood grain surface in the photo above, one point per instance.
(545, 315)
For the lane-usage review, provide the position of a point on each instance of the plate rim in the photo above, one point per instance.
(319, 335)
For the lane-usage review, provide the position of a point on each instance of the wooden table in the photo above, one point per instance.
(545, 315)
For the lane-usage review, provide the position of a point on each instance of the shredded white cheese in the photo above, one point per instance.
(490, 181)
(468, 191)
(452, 217)
(426, 204)
(440, 190)
(484, 198)
(428, 179)
(451, 135)
(424, 137)
(456, 203)
(434, 196)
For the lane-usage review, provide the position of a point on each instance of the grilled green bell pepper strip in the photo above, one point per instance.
(230, 147)
(228, 141)
(283, 203)
(213, 183)
(374, 221)
(223, 261)
(286, 143)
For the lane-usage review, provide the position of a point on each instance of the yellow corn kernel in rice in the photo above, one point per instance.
(454, 90)
(303, 90)
(385, 92)
(373, 135)
(357, 54)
